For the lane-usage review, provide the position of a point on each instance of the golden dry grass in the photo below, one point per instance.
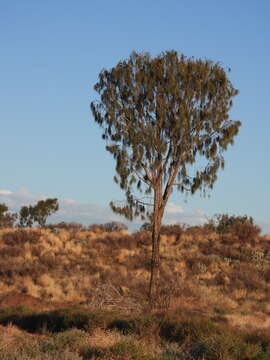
(200, 271)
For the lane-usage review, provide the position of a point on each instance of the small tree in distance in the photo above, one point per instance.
(26, 216)
(43, 209)
(37, 213)
(7, 219)
(165, 120)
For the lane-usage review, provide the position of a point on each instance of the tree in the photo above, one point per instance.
(37, 213)
(26, 216)
(43, 209)
(7, 219)
(165, 120)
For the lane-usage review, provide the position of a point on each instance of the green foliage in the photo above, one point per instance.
(37, 213)
(67, 339)
(26, 216)
(57, 320)
(229, 345)
(181, 338)
(43, 209)
(7, 219)
(132, 350)
(22, 354)
(140, 326)
(178, 331)
(3, 209)
(159, 116)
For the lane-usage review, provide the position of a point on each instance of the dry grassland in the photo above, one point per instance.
(201, 271)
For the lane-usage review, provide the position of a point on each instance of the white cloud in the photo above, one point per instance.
(174, 209)
(69, 210)
(69, 201)
(5, 192)
(16, 199)
(87, 214)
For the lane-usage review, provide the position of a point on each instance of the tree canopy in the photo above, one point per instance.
(159, 115)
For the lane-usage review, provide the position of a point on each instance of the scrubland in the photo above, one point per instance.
(81, 294)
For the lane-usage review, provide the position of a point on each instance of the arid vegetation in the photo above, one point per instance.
(67, 292)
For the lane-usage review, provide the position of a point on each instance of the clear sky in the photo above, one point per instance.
(51, 53)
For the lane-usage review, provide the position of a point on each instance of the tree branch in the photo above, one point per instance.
(143, 203)
(147, 172)
(181, 184)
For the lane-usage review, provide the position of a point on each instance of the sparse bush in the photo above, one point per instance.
(108, 227)
(114, 226)
(57, 320)
(228, 345)
(178, 331)
(242, 227)
(245, 276)
(147, 226)
(131, 349)
(19, 354)
(69, 339)
(69, 226)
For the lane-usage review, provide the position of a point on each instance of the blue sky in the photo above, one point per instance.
(51, 54)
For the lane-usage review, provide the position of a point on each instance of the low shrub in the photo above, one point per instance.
(69, 226)
(108, 227)
(131, 349)
(179, 331)
(229, 345)
(57, 320)
(53, 321)
(69, 339)
(139, 326)
(242, 227)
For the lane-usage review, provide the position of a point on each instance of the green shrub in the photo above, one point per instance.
(229, 345)
(139, 326)
(89, 352)
(53, 321)
(69, 339)
(132, 349)
(57, 320)
(124, 326)
(178, 331)
(61, 355)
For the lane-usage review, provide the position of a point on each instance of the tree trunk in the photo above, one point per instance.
(160, 201)
(155, 260)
